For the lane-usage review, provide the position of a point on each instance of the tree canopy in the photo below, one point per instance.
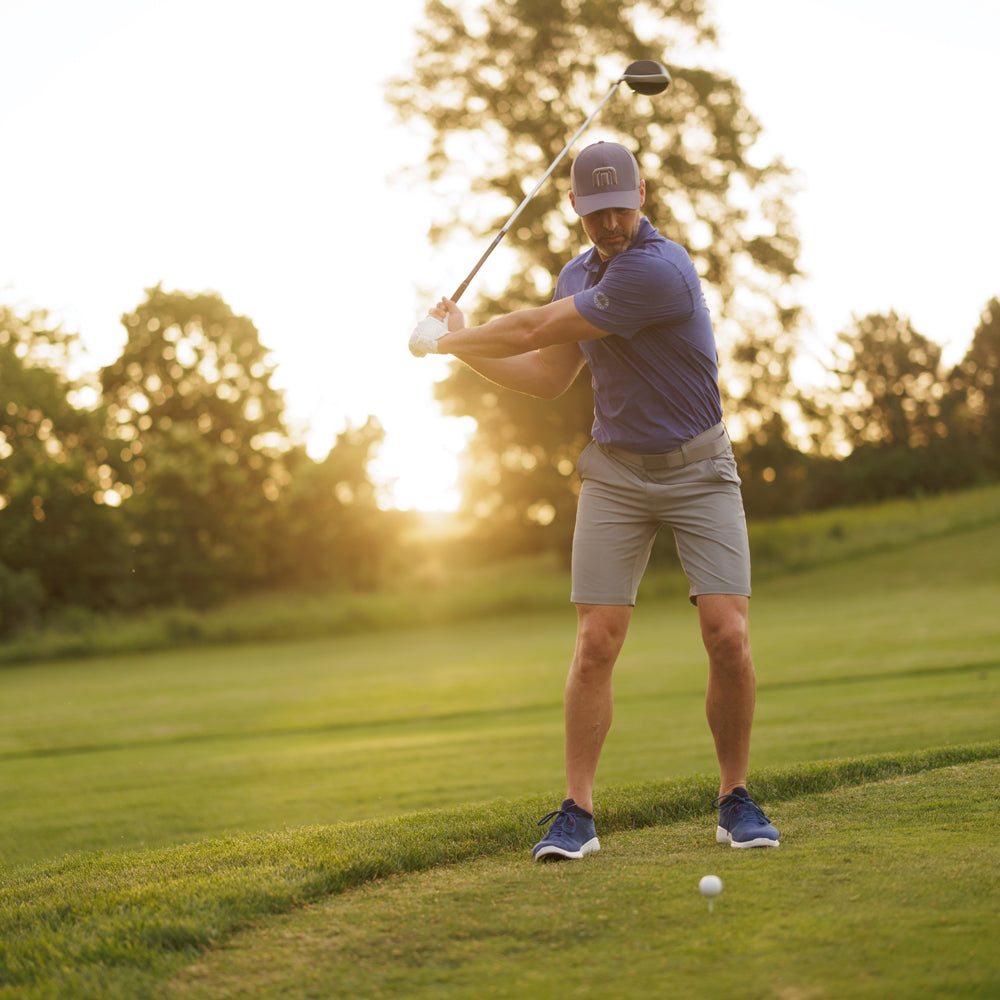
(502, 86)
(59, 529)
(202, 430)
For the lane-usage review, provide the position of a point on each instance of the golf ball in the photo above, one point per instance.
(710, 885)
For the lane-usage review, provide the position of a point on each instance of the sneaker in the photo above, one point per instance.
(742, 822)
(572, 834)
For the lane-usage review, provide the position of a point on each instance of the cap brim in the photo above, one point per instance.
(585, 204)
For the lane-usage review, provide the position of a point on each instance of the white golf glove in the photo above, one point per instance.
(425, 335)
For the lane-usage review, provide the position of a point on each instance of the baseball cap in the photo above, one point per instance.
(605, 175)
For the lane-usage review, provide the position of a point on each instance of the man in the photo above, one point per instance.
(632, 310)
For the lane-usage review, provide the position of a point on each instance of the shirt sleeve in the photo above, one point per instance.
(639, 290)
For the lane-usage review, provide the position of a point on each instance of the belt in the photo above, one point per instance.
(712, 442)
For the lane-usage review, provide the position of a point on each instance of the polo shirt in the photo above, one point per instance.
(655, 376)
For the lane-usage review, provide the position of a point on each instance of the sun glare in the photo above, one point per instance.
(418, 470)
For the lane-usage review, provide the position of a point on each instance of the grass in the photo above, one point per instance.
(146, 751)
(119, 926)
(806, 541)
(157, 807)
(882, 889)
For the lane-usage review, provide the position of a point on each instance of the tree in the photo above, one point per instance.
(891, 384)
(896, 412)
(517, 471)
(329, 525)
(500, 86)
(975, 384)
(61, 537)
(202, 430)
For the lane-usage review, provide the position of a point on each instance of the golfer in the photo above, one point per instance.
(632, 310)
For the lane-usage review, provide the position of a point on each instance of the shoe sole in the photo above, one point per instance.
(552, 853)
(723, 836)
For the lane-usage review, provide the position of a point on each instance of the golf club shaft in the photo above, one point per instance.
(517, 211)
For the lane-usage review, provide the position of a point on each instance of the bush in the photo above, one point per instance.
(22, 598)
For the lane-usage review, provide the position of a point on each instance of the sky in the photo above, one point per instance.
(246, 148)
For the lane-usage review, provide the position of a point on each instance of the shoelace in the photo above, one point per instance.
(737, 802)
(559, 815)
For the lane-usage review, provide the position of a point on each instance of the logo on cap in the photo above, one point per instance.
(605, 175)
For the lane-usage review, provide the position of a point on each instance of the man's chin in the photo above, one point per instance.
(611, 248)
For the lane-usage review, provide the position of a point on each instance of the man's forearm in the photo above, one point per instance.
(504, 337)
(534, 351)
(545, 373)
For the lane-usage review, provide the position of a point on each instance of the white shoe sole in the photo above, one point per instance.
(722, 836)
(551, 851)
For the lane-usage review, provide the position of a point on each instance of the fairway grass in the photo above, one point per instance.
(892, 652)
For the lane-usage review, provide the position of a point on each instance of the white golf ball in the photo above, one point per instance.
(710, 885)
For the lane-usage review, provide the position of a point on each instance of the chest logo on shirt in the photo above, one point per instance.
(601, 300)
(605, 177)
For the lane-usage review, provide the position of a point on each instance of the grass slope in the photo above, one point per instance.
(881, 889)
(114, 927)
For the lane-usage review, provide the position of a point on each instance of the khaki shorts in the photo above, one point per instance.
(622, 506)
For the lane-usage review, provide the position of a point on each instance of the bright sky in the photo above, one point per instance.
(245, 147)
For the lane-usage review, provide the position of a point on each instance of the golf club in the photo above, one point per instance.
(645, 76)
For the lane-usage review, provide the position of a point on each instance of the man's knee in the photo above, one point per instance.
(601, 631)
(725, 628)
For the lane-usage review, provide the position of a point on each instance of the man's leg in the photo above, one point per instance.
(729, 704)
(732, 684)
(601, 631)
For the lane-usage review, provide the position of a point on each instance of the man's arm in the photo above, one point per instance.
(533, 351)
(546, 373)
(516, 333)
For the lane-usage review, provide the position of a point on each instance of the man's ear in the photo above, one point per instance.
(642, 193)
(572, 200)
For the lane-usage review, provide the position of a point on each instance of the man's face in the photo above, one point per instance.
(612, 230)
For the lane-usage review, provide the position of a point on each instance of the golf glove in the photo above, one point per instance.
(425, 335)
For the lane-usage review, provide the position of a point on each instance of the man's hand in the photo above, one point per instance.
(447, 311)
(444, 318)
(425, 335)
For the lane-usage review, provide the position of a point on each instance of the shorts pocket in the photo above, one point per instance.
(724, 467)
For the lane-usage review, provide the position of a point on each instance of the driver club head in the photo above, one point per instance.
(646, 76)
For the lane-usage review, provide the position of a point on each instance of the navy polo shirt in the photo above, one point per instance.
(655, 377)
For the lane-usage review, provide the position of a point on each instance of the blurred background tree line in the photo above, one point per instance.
(170, 476)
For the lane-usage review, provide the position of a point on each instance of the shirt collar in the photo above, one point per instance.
(592, 261)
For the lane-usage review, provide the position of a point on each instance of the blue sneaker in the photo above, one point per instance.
(572, 834)
(742, 822)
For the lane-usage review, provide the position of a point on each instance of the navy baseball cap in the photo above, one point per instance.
(605, 175)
